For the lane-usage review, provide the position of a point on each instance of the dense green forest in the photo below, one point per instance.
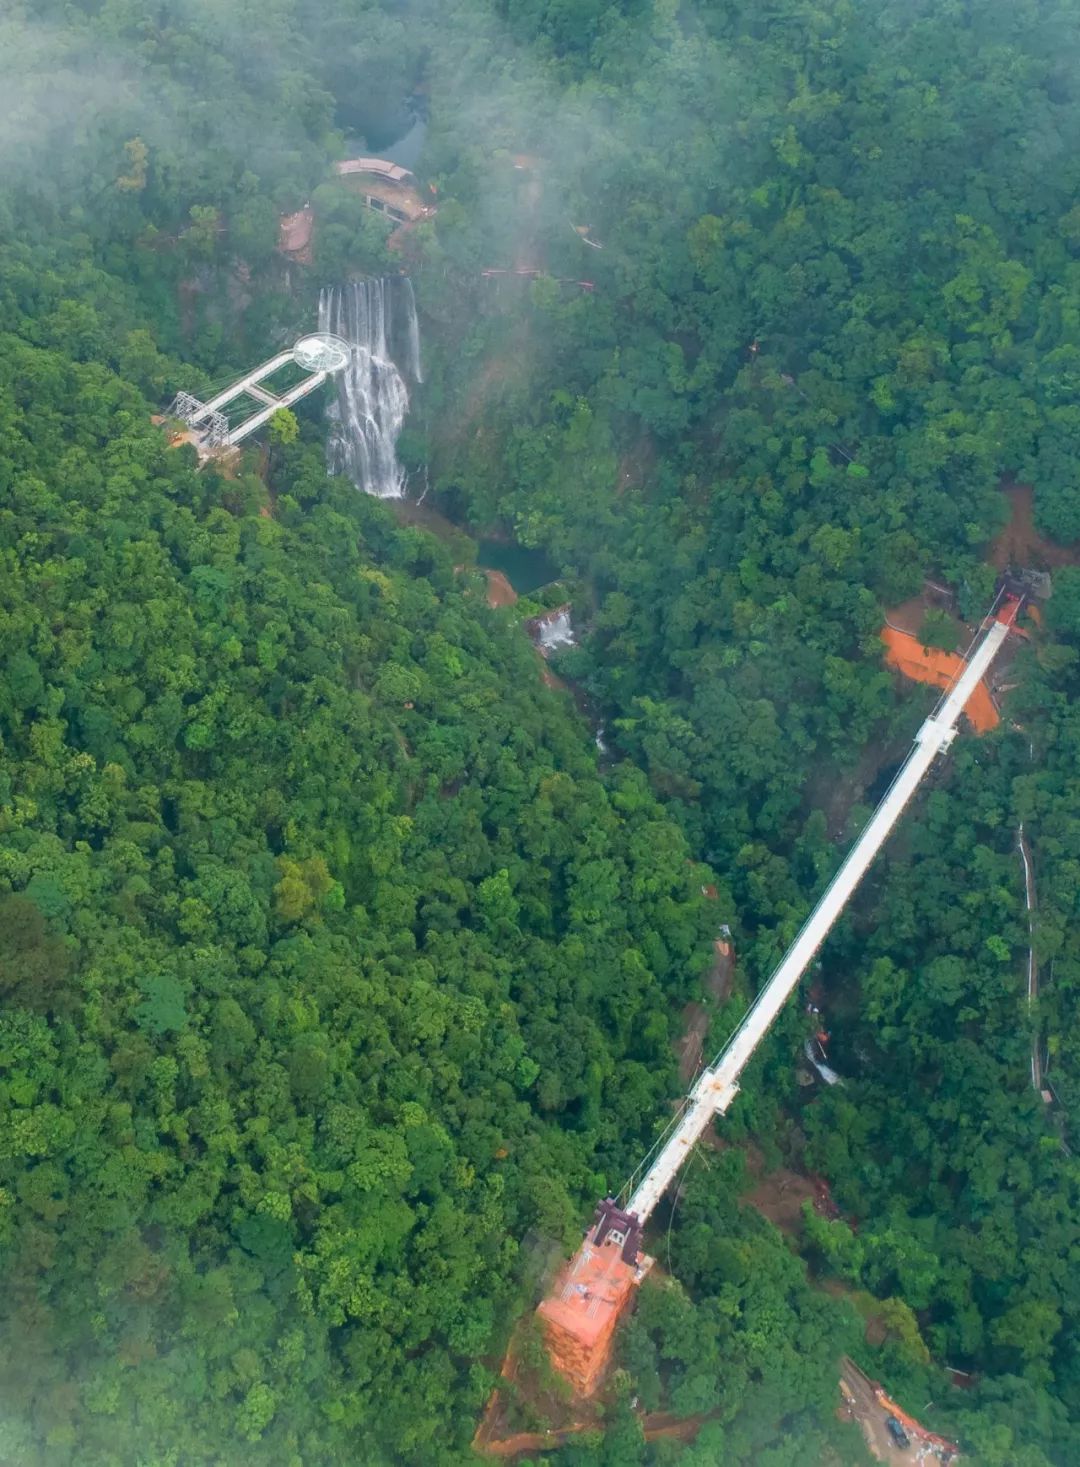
(339, 975)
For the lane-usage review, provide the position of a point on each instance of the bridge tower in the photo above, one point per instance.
(317, 356)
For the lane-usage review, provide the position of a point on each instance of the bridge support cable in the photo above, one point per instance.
(717, 1086)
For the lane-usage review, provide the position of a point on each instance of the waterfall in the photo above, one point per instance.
(553, 630)
(372, 398)
(413, 330)
(556, 630)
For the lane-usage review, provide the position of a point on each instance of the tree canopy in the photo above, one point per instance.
(340, 972)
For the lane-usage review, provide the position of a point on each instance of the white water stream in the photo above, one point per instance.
(378, 319)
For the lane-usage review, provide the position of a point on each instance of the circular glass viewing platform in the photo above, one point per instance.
(322, 352)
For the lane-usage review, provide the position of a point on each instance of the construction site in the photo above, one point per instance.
(222, 422)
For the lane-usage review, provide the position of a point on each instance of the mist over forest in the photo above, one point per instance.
(350, 949)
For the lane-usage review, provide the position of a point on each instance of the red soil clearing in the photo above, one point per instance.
(294, 234)
(499, 590)
(940, 669)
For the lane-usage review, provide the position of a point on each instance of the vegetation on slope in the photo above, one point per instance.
(337, 981)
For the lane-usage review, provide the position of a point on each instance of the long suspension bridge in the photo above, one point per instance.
(580, 1315)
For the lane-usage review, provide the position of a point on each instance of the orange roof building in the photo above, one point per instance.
(380, 167)
(940, 669)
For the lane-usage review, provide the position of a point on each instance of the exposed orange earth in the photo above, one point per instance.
(294, 234)
(499, 590)
(940, 669)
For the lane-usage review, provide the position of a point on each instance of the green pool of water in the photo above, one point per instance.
(526, 570)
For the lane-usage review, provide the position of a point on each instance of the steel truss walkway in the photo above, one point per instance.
(318, 355)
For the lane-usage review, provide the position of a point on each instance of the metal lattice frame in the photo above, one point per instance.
(187, 408)
(216, 432)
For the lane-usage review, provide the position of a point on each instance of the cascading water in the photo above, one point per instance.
(378, 319)
(412, 328)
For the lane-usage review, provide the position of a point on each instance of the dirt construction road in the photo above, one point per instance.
(864, 1406)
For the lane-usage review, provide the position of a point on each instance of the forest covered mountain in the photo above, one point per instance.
(340, 975)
